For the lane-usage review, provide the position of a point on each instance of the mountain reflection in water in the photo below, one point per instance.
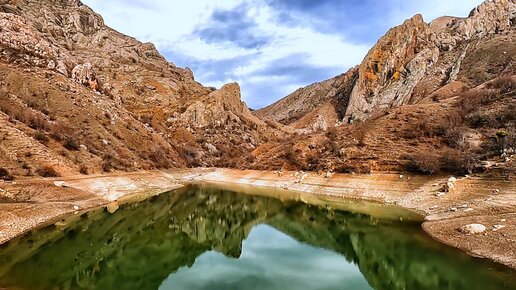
(201, 237)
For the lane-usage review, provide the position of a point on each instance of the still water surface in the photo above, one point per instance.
(202, 237)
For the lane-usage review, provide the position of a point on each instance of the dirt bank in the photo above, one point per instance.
(477, 199)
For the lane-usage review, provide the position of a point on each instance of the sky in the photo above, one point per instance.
(270, 47)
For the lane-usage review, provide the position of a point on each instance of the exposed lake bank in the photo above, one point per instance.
(30, 203)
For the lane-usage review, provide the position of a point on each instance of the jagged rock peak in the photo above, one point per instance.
(409, 52)
(492, 16)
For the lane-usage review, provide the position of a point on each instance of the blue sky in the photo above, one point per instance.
(270, 47)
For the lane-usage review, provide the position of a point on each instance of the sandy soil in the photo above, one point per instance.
(490, 201)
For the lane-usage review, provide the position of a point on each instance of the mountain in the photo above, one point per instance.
(427, 97)
(410, 62)
(79, 97)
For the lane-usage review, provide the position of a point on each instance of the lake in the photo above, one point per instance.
(206, 237)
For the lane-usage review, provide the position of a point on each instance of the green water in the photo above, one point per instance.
(202, 237)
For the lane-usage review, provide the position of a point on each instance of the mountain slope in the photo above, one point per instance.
(78, 96)
(427, 97)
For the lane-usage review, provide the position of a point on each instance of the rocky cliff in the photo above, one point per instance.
(409, 63)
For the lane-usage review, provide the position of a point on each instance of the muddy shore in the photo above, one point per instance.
(491, 201)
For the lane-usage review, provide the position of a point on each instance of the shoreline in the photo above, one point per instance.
(478, 199)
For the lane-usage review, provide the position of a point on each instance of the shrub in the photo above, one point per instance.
(457, 162)
(332, 133)
(456, 137)
(5, 174)
(108, 162)
(71, 144)
(159, 158)
(59, 131)
(47, 171)
(504, 84)
(83, 169)
(423, 163)
(42, 137)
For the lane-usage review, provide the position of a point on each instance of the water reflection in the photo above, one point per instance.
(270, 260)
(192, 239)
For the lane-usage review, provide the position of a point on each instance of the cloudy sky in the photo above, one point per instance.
(270, 47)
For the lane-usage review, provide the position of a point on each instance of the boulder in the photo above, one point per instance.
(473, 229)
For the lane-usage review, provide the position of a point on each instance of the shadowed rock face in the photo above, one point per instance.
(138, 246)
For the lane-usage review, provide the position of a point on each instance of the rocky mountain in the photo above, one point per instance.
(77, 95)
(427, 97)
(410, 62)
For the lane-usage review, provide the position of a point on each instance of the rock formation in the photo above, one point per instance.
(410, 62)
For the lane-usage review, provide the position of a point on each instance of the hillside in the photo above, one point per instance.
(77, 97)
(427, 98)
(409, 63)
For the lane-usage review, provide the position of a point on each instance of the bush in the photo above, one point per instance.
(159, 158)
(456, 137)
(83, 169)
(504, 84)
(5, 174)
(42, 137)
(47, 171)
(457, 162)
(71, 144)
(332, 133)
(423, 163)
(108, 162)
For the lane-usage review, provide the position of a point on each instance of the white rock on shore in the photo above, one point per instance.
(473, 229)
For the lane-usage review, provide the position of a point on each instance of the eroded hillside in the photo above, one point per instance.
(77, 96)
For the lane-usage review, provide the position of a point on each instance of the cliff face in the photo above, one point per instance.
(409, 63)
(88, 98)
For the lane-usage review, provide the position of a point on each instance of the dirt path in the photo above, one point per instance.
(487, 201)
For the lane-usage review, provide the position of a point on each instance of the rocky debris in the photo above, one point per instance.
(450, 184)
(60, 183)
(473, 229)
(211, 148)
(112, 207)
(320, 124)
(498, 227)
(85, 75)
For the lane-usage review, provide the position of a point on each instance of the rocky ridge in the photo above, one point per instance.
(412, 60)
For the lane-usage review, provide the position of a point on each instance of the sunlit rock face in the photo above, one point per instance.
(407, 64)
(408, 54)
